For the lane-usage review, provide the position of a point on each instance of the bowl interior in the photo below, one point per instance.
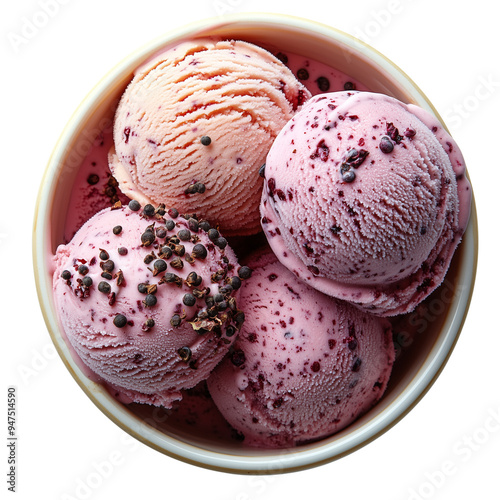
(420, 358)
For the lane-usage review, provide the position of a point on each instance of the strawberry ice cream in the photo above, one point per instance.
(147, 299)
(304, 365)
(195, 124)
(366, 200)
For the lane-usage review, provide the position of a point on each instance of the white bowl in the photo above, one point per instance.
(446, 309)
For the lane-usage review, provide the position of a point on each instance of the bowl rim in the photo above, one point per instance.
(277, 461)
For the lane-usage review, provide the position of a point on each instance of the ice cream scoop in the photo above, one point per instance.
(147, 300)
(304, 366)
(366, 199)
(195, 124)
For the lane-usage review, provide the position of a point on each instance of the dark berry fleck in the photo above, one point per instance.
(205, 140)
(117, 230)
(237, 357)
(244, 272)
(199, 251)
(221, 242)
(93, 179)
(357, 365)
(159, 266)
(205, 225)
(303, 74)
(386, 145)
(149, 210)
(120, 321)
(108, 266)
(87, 281)
(278, 402)
(355, 157)
(104, 287)
(193, 224)
(323, 83)
(189, 299)
(165, 252)
(66, 275)
(150, 300)
(83, 269)
(410, 133)
(262, 170)
(134, 205)
(213, 234)
(315, 367)
(282, 57)
(147, 238)
(122, 251)
(161, 232)
(349, 86)
(348, 176)
(235, 282)
(184, 353)
(322, 151)
(184, 235)
(176, 320)
(393, 133)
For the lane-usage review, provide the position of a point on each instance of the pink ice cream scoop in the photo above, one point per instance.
(304, 366)
(366, 200)
(195, 124)
(147, 300)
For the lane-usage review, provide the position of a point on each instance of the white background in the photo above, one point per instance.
(450, 49)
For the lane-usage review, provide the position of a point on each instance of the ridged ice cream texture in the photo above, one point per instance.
(237, 94)
(137, 364)
(304, 366)
(385, 240)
